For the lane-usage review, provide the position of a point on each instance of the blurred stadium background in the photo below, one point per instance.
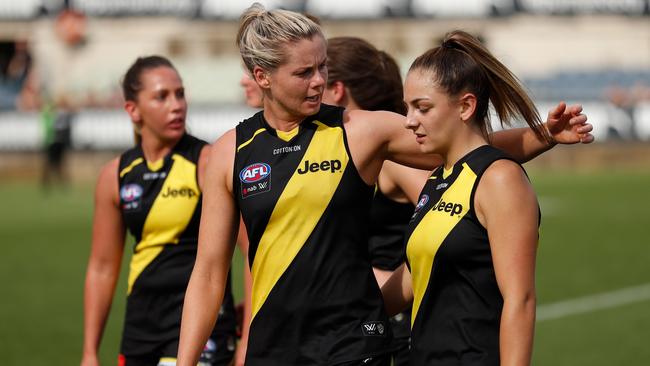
(594, 256)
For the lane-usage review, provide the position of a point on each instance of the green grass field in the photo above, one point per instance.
(594, 238)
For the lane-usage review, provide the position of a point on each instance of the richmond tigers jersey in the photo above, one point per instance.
(161, 206)
(457, 303)
(315, 299)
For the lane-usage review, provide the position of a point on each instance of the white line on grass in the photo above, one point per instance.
(591, 303)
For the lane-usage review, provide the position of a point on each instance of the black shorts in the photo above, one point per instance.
(218, 351)
(401, 324)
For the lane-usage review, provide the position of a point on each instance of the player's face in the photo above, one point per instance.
(432, 115)
(297, 85)
(161, 107)
(252, 91)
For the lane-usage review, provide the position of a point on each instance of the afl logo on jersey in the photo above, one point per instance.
(255, 172)
(255, 179)
(421, 203)
(130, 192)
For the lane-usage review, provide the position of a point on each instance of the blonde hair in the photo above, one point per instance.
(263, 33)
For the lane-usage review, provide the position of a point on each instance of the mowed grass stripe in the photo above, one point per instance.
(595, 302)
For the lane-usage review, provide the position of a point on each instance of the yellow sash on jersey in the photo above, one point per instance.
(432, 230)
(298, 210)
(168, 217)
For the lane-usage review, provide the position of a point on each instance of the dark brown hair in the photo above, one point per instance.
(371, 76)
(132, 83)
(462, 64)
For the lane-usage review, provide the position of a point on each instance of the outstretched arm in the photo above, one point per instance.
(217, 235)
(566, 125)
(104, 263)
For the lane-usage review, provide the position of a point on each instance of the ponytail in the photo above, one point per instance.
(463, 64)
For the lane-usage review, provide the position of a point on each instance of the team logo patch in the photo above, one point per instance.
(255, 172)
(421, 203)
(255, 179)
(374, 328)
(131, 192)
(130, 195)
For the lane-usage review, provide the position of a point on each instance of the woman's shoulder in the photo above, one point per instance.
(503, 177)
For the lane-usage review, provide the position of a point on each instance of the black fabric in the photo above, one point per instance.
(388, 222)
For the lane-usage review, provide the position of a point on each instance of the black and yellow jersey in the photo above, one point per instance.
(306, 209)
(161, 207)
(457, 303)
(388, 222)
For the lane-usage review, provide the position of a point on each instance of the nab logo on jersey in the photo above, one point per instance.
(131, 192)
(255, 172)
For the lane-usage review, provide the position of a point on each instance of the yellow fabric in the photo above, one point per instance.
(288, 135)
(156, 165)
(446, 173)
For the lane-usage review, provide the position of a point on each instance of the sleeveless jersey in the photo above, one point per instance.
(457, 303)
(161, 207)
(315, 298)
(388, 221)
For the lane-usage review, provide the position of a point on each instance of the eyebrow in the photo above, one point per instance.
(413, 101)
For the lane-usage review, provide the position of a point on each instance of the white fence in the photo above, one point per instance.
(111, 130)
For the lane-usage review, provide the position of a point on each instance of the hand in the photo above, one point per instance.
(567, 125)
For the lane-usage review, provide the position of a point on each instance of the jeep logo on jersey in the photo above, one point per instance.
(449, 207)
(255, 172)
(331, 165)
(130, 192)
(179, 192)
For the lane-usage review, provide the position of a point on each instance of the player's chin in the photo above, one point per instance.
(309, 108)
